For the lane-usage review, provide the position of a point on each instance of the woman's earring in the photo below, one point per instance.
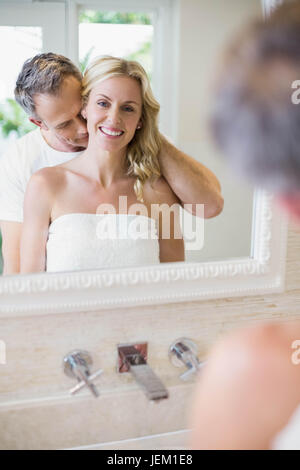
(139, 127)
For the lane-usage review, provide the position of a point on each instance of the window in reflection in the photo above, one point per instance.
(128, 35)
(23, 42)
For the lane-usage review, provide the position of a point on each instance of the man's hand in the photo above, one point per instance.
(11, 236)
(192, 182)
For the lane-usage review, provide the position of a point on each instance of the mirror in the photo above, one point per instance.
(201, 30)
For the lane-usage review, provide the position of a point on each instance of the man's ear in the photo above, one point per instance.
(38, 123)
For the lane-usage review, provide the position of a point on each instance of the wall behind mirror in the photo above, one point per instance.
(200, 30)
(205, 26)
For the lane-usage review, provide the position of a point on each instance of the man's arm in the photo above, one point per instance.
(191, 181)
(165, 209)
(37, 211)
(11, 236)
(11, 207)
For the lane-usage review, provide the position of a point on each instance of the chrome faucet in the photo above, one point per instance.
(184, 352)
(76, 365)
(132, 358)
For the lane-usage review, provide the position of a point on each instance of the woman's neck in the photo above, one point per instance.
(109, 166)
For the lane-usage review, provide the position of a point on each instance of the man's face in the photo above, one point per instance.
(60, 117)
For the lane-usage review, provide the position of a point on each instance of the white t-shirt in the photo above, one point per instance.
(24, 157)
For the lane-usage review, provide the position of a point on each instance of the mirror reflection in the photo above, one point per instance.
(89, 177)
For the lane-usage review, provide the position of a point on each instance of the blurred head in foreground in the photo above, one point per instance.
(255, 116)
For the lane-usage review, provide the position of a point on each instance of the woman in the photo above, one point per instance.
(82, 214)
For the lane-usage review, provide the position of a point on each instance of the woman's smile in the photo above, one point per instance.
(111, 132)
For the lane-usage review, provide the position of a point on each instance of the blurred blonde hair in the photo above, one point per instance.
(142, 151)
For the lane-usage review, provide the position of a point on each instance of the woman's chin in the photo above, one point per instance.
(111, 144)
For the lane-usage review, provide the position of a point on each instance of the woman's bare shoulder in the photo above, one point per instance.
(159, 191)
(48, 178)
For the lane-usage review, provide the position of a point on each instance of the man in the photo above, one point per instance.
(249, 388)
(48, 88)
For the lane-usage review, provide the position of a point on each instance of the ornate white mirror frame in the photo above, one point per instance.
(262, 272)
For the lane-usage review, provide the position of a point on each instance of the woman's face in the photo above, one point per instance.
(113, 112)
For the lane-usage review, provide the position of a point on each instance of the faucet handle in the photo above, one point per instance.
(184, 351)
(76, 365)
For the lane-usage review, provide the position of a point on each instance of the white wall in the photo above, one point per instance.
(204, 27)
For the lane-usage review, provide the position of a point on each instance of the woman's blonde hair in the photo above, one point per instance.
(142, 151)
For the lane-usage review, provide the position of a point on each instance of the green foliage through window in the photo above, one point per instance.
(13, 119)
(85, 60)
(113, 17)
(143, 55)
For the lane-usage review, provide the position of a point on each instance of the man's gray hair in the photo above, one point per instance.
(254, 120)
(44, 73)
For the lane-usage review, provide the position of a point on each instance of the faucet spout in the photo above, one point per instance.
(135, 363)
